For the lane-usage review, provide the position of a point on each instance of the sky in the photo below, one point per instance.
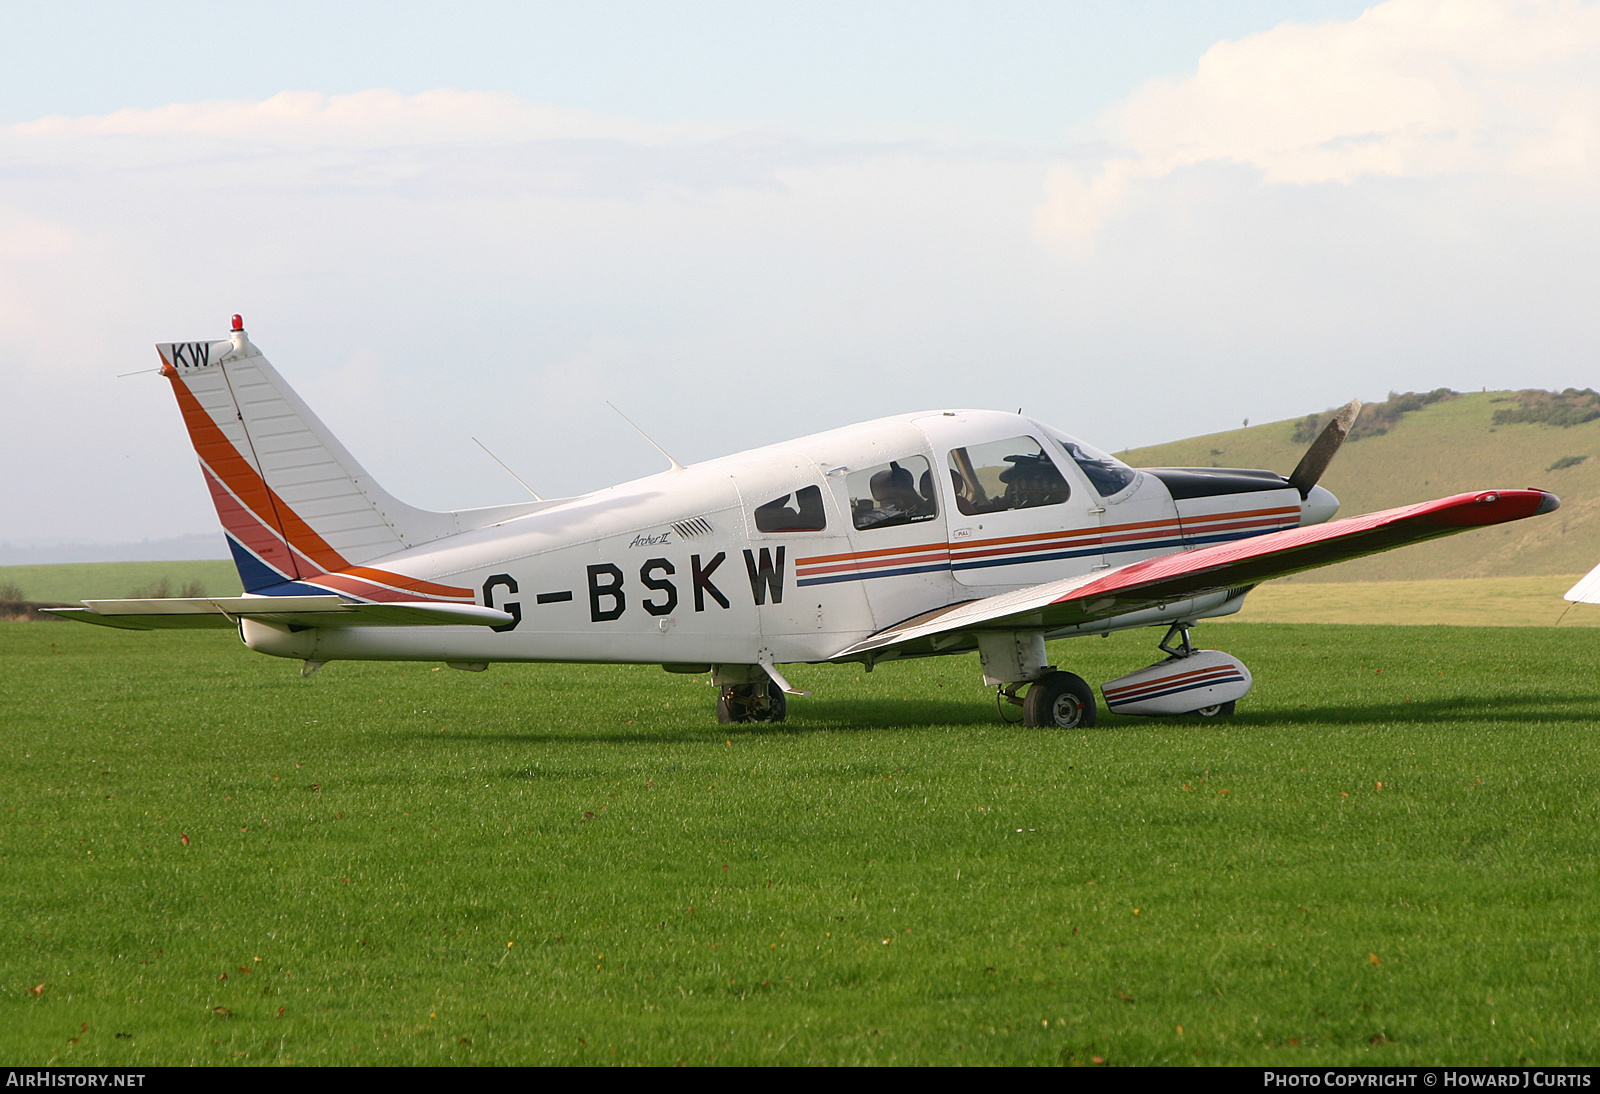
(743, 222)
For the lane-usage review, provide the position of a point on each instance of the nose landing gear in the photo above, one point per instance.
(1202, 683)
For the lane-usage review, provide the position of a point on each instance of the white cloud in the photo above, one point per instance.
(376, 118)
(1410, 89)
(1400, 201)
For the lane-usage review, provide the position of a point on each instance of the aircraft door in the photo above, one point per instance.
(1019, 516)
(794, 527)
(898, 551)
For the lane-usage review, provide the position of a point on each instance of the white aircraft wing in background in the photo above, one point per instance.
(1587, 590)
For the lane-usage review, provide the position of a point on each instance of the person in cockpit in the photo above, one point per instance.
(895, 499)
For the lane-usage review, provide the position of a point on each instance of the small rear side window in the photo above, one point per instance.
(800, 511)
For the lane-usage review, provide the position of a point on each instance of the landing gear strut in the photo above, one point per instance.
(759, 701)
(1187, 677)
(1054, 700)
(1181, 630)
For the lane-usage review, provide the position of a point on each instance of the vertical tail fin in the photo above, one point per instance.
(294, 503)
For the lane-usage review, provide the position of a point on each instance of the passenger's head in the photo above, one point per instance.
(895, 486)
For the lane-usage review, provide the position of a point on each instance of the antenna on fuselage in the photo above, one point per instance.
(508, 470)
(676, 466)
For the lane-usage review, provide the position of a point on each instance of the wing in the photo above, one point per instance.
(1587, 590)
(284, 611)
(1158, 582)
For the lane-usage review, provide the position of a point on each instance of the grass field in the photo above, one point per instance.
(1389, 856)
(1529, 601)
(69, 582)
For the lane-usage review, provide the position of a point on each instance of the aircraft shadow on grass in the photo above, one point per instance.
(1513, 708)
(938, 715)
(911, 717)
(922, 717)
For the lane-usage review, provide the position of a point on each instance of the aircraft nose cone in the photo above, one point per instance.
(1549, 505)
(1320, 505)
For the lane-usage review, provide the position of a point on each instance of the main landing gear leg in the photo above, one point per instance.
(748, 695)
(1054, 700)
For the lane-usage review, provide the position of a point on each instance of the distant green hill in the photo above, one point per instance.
(68, 582)
(1444, 448)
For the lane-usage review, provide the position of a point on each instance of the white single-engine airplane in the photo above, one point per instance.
(935, 533)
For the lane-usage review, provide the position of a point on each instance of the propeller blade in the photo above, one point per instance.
(1324, 448)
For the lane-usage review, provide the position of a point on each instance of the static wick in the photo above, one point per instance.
(676, 466)
(508, 470)
(140, 372)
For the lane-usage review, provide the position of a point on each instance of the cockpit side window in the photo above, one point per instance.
(1002, 475)
(898, 492)
(1105, 472)
(800, 511)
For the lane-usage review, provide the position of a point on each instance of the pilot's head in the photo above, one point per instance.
(1033, 480)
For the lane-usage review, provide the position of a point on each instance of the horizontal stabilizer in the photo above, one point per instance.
(1158, 582)
(170, 613)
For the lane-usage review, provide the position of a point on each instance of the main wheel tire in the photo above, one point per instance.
(1059, 700)
(1216, 710)
(742, 703)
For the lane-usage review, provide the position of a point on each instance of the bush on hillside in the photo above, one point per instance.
(1563, 408)
(1375, 419)
(161, 589)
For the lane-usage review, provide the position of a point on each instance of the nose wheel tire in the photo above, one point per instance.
(1217, 710)
(742, 703)
(1059, 700)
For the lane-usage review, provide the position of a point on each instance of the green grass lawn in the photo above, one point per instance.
(1389, 856)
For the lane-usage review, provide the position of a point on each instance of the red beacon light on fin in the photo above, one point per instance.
(238, 322)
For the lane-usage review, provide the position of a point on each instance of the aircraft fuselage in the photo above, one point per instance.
(794, 552)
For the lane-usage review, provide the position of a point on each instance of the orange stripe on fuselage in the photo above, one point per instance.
(403, 581)
(1109, 533)
(857, 555)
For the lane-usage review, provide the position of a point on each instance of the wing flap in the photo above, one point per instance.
(183, 613)
(1169, 579)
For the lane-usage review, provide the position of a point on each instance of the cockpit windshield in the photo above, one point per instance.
(1104, 471)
